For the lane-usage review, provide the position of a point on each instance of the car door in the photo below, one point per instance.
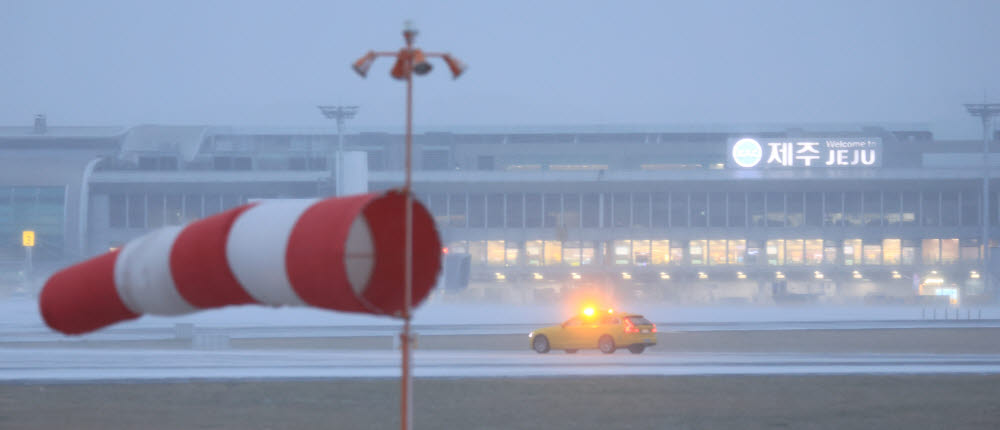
(574, 331)
(609, 325)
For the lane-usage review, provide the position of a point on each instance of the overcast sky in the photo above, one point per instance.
(656, 63)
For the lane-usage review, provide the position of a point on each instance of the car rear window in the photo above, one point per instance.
(638, 320)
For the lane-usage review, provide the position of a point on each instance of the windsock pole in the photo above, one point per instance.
(409, 60)
(407, 337)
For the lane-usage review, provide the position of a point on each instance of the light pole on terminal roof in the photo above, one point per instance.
(409, 61)
(986, 111)
(339, 113)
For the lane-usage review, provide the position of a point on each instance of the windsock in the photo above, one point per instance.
(344, 254)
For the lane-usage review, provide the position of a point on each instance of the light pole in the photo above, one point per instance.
(339, 113)
(409, 60)
(986, 111)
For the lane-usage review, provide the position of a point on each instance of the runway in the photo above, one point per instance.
(89, 365)
(482, 341)
(850, 368)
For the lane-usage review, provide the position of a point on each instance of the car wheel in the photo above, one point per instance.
(637, 348)
(571, 351)
(606, 344)
(540, 344)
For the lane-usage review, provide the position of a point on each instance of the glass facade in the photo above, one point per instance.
(775, 252)
(852, 252)
(718, 252)
(892, 251)
(659, 252)
(641, 253)
(782, 210)
(647, 217)
(814, 251)
(40, 209)
(736, 251)
(698, 252)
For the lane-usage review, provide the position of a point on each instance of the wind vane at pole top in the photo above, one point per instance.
(420, 66)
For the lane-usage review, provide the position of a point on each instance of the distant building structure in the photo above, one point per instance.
(821, 214)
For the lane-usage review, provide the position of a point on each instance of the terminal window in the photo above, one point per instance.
(717, 209)
(590, 215)
(698, 252)
(796, 210)
(737, 209)
(640, 209)
(775, 209)
(640, 252)
(970, 208)
(494, 210)
(571, 211)
(477, 211)
(699, 210)
(660, 252)
(891, 251)
(513, 253)
(775, 252)
(852, 252)
(32, 208)
(717, 252)
(736, 251)
(515, 210)
(949, 208)
(678, 209)
(891, 208)
(622, 210)
(930, 210)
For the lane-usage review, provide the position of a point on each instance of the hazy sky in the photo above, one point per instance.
(269, 63)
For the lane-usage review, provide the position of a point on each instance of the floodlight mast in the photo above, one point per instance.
(986, 111)
(409, 61)
(339, 113)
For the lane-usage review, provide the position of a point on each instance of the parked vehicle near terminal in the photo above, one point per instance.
(606, 331)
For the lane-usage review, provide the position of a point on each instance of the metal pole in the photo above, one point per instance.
(28, 265)
(340, 114)
(406, 57)
(987, 272)
(407, 398)
(986, 112)
(340, 156)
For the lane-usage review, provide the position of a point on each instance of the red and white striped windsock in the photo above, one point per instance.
(344, 254)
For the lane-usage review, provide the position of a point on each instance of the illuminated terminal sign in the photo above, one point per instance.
(776, 153)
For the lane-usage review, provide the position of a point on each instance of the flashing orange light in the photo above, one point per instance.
(611, 311)
(588, 311)
(444, 250)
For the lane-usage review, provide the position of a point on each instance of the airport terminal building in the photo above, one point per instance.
(759, 216)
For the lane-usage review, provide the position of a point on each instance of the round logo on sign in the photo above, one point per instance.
(747, 152)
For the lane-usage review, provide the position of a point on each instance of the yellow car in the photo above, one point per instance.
(605, 331)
